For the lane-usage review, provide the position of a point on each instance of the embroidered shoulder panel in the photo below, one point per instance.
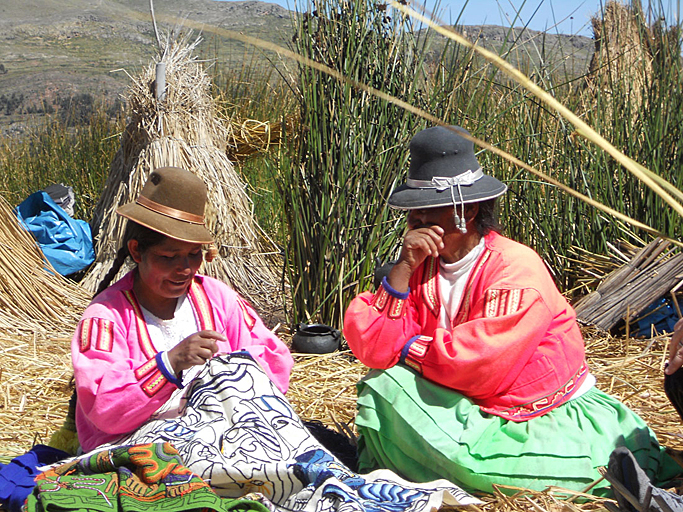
(502, 302)
(97, 333)
(202, 306)
(105, 335)
(144, 338)
(86, 333)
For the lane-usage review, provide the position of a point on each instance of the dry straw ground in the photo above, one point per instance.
(36, 372)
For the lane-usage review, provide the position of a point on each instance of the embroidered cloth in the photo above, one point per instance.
(140, 478)
(235, 429)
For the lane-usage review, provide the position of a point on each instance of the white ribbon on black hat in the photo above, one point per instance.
(441, 183)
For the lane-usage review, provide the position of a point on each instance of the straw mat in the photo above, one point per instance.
(35, 389)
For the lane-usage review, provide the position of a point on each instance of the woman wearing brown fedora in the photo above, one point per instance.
(480, 373)
(139, 335)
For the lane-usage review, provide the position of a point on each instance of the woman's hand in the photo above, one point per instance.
(675, 349)
(193, 350)
(417, 245)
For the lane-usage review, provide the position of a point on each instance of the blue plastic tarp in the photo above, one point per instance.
(661, 314)
(65, 241)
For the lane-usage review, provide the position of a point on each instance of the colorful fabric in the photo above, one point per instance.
(514, 348)
(17, 478)
(425, 431)
(118, 378)
(235, 429)
(129, 479)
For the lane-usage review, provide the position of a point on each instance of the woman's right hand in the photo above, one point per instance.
(418, 244)
(193, 350)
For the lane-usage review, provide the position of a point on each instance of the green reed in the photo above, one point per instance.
(353, 148)
(350, 150)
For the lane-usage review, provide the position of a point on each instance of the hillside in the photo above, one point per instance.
(51, 51)
(573, 52)
(54, 53)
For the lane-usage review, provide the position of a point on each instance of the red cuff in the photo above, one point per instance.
(384, 301)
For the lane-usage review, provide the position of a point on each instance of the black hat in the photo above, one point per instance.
(443, 172)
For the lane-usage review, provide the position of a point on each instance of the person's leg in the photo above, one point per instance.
(424, 431)
(624, 469)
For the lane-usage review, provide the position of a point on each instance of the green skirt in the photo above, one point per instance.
(424, 431)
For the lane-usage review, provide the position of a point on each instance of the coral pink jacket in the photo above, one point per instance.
(515, 347)
(118, 381)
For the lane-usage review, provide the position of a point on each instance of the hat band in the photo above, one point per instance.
(168, 211)
(444, 182)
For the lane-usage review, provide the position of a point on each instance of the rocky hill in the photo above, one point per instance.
(53, 53)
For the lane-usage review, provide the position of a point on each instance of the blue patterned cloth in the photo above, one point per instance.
(237, 431)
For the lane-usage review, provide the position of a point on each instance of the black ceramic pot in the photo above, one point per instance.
(316, 339)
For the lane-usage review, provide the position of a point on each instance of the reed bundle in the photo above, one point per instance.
(621, 55)
(33, 296)
(589, 270)
(627, 291)
(182, 128)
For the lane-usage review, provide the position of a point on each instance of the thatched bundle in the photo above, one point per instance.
(627, 291)
(183, 129)
(622, 55)
(33, 296)
(39, 310)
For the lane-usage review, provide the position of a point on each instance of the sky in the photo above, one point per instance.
(563, 16)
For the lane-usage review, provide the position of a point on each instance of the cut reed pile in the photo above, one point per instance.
(33, 297)
(182, 128)
(622, 55)
(623, 295)
(38, 312)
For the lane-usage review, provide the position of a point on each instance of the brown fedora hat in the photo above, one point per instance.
(171, 202)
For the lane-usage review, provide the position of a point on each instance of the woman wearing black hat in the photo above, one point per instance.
(484, 379)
